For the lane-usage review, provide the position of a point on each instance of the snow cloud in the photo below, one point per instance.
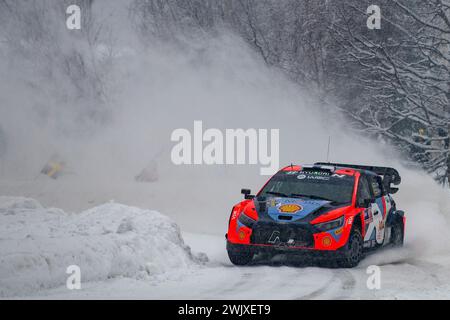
(109, 106)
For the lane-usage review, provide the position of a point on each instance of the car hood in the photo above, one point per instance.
(282, 209)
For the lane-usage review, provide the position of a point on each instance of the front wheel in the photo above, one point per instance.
(352, 252)
(240, 257)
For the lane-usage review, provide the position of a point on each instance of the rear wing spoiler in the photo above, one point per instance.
(390, 175)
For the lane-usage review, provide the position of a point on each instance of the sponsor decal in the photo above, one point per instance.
(297, 208)
(350, 221)
(368, 216)
(313, 177)
(319, 175)
(274, 237)
(324, 178)
(338, 231)
(326, 241)
(290, 208)
(315, 173)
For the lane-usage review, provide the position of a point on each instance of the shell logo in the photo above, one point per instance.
(326, 241)
(290, 208)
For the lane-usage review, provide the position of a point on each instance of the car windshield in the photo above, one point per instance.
(320, 184)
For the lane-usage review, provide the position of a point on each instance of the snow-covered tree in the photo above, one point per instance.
(393, 82)
(403, 77)
(66, 68)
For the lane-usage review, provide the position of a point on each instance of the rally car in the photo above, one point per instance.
(326, 211)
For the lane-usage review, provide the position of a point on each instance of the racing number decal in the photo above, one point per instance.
(378, 213)
(381, 205)
(374, 218)
(378, 221)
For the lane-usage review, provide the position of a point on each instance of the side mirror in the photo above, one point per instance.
(246, 193)
(393, 190)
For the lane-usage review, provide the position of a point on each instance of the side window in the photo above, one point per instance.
(363, 189)
(376, 186)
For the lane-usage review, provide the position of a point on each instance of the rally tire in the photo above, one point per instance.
(240, 257)
(352, 253)
(397, 234)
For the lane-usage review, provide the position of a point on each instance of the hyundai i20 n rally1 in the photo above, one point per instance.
(326, 211)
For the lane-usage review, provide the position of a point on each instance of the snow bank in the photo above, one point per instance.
(37, 245)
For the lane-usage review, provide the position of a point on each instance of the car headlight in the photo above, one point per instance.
(329, 225)
(246, 220)
(231, 215)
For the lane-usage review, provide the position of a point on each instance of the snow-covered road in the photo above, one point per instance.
(130, 253)
(402, 277)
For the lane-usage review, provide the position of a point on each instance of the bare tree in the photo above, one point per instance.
(405, 76)
(65, 63)
(394, 82)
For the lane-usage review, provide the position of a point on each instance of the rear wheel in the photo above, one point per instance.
(240, 257)
(352, 252)
(397, 235)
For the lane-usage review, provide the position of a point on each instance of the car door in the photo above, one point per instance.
(378, 207)
(365, 194)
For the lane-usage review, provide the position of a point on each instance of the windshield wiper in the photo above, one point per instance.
(280, 194)
(298, 195)
(311, 196)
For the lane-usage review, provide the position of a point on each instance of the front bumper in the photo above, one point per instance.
(274, 249)
(288, 237)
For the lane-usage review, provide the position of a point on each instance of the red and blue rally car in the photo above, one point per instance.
(333, 212)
